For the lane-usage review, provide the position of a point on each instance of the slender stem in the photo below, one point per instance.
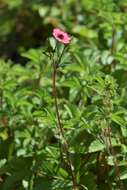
(113, 46)
(64, 145)
(32, 177)
(120, 184)
(1, 99)
(110, 150)
(55, 99)
(60, 57)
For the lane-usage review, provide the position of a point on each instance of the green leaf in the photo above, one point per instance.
(96, 146)
(123, 175)
(52, 42)
(117, 119)
(33, 54)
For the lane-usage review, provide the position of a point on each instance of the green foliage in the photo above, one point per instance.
(92, 95)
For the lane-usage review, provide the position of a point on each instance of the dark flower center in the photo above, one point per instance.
(61, 36)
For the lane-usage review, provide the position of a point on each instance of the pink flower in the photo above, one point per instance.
(61, 36)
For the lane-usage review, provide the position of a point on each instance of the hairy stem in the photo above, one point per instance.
(64, 145)
(117, 170)
(110, 150)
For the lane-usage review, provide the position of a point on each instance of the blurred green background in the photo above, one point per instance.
(26, 24)
(92, 93)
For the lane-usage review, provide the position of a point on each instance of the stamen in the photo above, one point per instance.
(61, 36)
